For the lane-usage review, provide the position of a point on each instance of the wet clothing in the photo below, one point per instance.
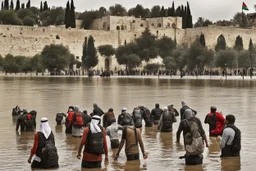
(156, 115)
(216, 123)
(125, 119)
(131, 135)
(68, 120)
(26, 122)
(185, 127)
(59, 118)
(90, 159)
(172, 109)
(98, 111)
(77, 124)
(166, 121)
(137, 117)
(20, 123)
(112, 132)
(37, 149)
(182, 111)
(107, 117)
(227, 141)
(147, 116)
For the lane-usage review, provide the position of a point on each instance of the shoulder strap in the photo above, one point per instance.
(136, 137)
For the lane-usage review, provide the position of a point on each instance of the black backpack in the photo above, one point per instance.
(167, 120)
(137, 116)
(59, 117)
(29, 121)
(236, 144)
(49, 154)
(95, 142)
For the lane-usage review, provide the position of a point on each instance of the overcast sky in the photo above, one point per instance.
(210, 9)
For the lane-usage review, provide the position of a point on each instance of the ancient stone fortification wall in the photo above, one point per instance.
(28, 41)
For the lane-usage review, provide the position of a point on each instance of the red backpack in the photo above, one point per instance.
(79, 121)
(70, 115)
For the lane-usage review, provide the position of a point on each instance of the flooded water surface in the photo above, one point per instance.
(50, 95)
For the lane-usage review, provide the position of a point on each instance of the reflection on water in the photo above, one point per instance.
(50, 95)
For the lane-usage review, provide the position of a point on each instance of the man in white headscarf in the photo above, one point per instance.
(43, 135)
(95, 144)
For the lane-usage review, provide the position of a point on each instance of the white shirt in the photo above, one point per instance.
(227, 137)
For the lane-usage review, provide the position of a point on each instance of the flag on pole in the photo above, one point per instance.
(244, 7)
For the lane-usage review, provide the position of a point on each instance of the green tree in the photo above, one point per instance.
(155, 11)
(170, 63)
(240, 20)
(239, 44)
(10, 64)
(28, 21)
(41, 6)
(189, 17)
(202, 40)
(9, 17)
(243, 59)
(165, 46)
(106, 50)
(117, 10)
(24, 63)
(221, 43)
(45, 8)
(55, 57)
(152, 67)
(178, 12)
(226, 58)
(36, 63)
(251, 50)
(72, 15)
(17, 5)
(201, 22)
(91, 59)
(2, 5)
(84, 52)
(123, 52)
(28, 5)
(102, 12)
(22, 6)
(88, 17)
(138, 11)
(67, 16)
(1, 62)
(6, 4)
(180, 56)
(133, 61)
(147, 46)
(162, 12)
(11, 5)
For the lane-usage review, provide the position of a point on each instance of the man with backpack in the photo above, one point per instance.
(131, 136)
(156, 114)
(194, 137)
(166, 121)
(69, 119)
(183, 109)
(95, 144)
(231, 138)
(147, 116)
(215, 121)
(44, 148)
(77, 123)
(29, 122)
(20, 121)
(137, 117)
(124, 118)
(107, 117)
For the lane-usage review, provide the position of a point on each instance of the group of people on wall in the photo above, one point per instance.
(93, 134)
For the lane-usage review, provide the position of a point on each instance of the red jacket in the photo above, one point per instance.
(219, 123)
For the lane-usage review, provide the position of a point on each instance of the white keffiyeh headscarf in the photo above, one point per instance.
(94, 126)
(45, 127)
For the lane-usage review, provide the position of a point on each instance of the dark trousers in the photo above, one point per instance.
(36, 164)
(87, 164)
(114, 143)
(133, 156)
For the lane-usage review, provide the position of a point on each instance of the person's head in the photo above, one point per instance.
(157, 105)
(96, 119)
(188, 114)
(213, 109)
(170, 106)
(165, 109)
(95, 105)
(24, 111)
(110, 110)
(76, 108)
(124, 109)
(45, 127)
(230, 119)
(85, 112)
(183, 104)
(70, 110)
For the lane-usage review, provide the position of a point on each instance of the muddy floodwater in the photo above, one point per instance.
(50, 95)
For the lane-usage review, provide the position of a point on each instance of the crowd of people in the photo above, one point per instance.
(93, 133)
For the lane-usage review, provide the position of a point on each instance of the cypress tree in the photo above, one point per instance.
(17, 5)
(184, 18)
(178, 12)
(67, 15)
(6, 4)
(173, 9)
(22, 6)
(169, 12)
(11, 5)
(239, 44)
(189, 17)
(41, 6)
(84, 52)
(221, 43)
(2, 5)
(45, 6)
(202, 40)
(72, 15)
(91, 59)
(251, 50)
(162, 12)
(28, 5)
